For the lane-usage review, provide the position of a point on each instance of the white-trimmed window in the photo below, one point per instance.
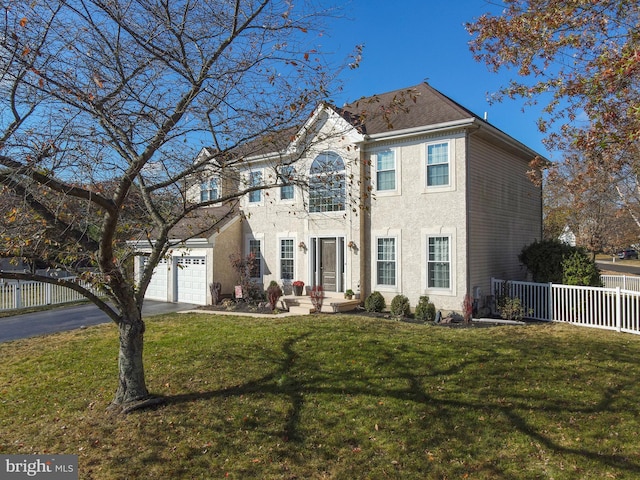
(255, 180)
(385, 170)
(210, 189)
(327, 183)
(286, 259)
(286, 191)
(255, 248)
(439, 262)
(386, 261)
(438, 164)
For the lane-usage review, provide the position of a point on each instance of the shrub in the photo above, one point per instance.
(400, 306)
(544, 259)
(557, 262)
(317, 297)
(511, 308)
(274, 292)
(579, 269)
(375, 302)
(425, 310)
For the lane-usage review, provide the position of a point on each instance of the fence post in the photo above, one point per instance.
(17, 295)
(618, 310)
(550, 306)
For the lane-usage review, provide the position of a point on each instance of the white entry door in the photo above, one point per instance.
(191, 280)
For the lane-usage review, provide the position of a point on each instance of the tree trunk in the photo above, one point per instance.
(131, 383)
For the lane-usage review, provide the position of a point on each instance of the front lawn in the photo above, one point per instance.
(329, 396)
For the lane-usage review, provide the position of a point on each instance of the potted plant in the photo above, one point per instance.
(298, 285)
(348, 294)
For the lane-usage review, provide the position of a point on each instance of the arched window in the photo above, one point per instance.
(327, 183)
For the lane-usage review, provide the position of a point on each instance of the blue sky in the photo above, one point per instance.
(410, 41)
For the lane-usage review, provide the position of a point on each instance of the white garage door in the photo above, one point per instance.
(191, 280)
(157, 289)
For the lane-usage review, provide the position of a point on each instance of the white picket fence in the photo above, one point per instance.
(598, 307)
(16, 294)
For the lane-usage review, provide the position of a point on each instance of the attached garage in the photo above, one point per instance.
(191, 264)
(191, 280)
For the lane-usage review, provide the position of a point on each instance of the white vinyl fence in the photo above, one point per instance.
(15, 294)
(598, 307)
(622, 281)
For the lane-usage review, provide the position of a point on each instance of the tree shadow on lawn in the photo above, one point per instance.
(440, 404)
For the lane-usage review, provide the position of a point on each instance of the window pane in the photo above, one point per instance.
(286, 259)
(386, 264)
(255, 178)
(386, 160)
(204, 192)
(437, 175)
(214, 193)
(286, 192)
(386, 180)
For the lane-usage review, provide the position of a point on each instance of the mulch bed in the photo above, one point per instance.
(265, 308)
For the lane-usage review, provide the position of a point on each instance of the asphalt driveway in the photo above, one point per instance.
(69, 318)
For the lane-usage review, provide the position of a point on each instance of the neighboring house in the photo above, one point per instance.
(409, 193)
(567, 236)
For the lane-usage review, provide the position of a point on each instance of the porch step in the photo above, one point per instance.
(332, 303)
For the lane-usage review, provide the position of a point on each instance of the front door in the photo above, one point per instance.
(328, 272)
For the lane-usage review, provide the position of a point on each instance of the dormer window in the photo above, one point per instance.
(327, 183)
(255, 180)
(210, 190)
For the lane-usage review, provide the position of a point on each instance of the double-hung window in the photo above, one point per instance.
(385, 170)
(255, 179)
(286, 191)
(286, 258)
(210, 190)
(438, 164)
(255, 251)
(438, 262)
(386, 261)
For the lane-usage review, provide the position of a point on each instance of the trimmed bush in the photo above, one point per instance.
(425, 310)
(375, 302)
(400, 306)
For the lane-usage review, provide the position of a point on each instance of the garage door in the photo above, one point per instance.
(191, 280)
(157, 289)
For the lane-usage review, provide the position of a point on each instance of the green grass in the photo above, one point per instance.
(339, 397)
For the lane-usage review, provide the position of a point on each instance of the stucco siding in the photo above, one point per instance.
(226, 243)
(272, 219)
(413, 213)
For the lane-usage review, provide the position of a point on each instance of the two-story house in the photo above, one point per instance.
(408, 193)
